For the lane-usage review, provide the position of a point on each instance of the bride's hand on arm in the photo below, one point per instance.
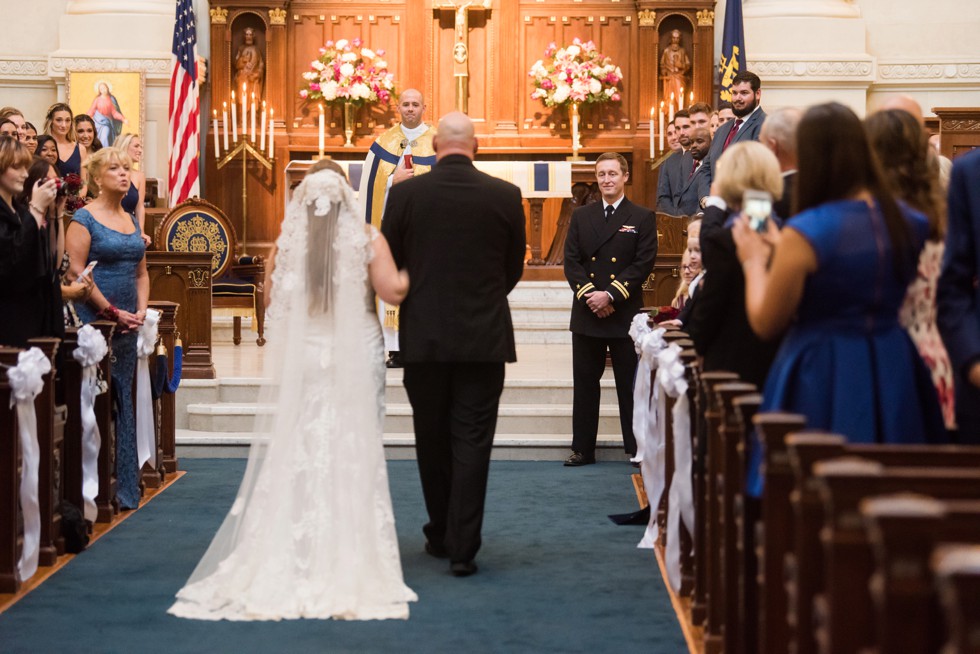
(388, 282)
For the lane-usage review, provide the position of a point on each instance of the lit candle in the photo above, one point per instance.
(253, 117)
(691, 100)
(321, 131)
(217, 148)
(651, 131)
(661, 125)
(244, 113)
(272, 132)
(671, 108)
(680, 100)
(262, 138)
(224, 120)
(234, 118)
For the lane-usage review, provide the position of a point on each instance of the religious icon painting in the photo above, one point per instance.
(114, 99)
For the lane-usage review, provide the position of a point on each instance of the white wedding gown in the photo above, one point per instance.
(311, 533)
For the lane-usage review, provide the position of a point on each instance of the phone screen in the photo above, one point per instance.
(757, 205)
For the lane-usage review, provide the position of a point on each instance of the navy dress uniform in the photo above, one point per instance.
(609, 249)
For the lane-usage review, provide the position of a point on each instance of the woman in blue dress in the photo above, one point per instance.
(104, 232)
(833, 281)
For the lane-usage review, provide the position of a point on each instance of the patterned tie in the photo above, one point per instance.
(731, 134)
(609, 211)
(694, 168)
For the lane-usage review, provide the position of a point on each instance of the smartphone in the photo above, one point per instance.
(408, 160)
(757, 205)
(88, 271)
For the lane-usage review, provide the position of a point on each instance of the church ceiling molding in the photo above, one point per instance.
(153, 67)
(944, 73)
(801, 72)
(23, 68)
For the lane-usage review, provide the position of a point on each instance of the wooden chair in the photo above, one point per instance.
(957, 569)
(238, 281)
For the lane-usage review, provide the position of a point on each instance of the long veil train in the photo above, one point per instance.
(311, 533)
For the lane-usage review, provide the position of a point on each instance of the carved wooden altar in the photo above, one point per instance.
(959, 130)
(502, 44)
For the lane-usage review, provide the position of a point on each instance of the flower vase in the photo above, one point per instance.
(576, 142)
(349, 124)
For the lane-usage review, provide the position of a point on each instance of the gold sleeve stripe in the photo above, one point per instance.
(621, 289)
(585, 289)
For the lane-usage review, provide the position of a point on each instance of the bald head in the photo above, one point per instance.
(778, 133)
(411, 106)
(455, 136)
(905, 103)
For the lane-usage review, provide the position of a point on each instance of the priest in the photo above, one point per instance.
(400, 153)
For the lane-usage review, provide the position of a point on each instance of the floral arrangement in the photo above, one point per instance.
(575, 73)
(661, 314)
(347, 71)
(71, 186)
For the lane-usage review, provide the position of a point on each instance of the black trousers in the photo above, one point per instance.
(454, 411)
(588, 364)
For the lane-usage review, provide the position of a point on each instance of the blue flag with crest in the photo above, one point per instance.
(732, 59)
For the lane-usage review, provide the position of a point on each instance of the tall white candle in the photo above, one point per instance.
(224, 121)
(651, 132)
(217, 146)
(321, 132)
(690, 100)
(262, 130)
(680, 100)
(272, 132)
(671, 108)
(661, 125)
(234, 118)
(253, 117)
(244, 112)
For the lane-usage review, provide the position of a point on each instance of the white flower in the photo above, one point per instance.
(573, 51)
(310, 76)
(318, 65)
(341, 44)
(610, 91)
(595, 86)
(380, 64)
(561, 93)
(349, 56)
(360, 90)
(367, 53)
(329, 90)
(346, 70)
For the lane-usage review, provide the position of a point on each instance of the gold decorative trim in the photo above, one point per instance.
(219, 16)
(706, 18)
(647, 18)
(198, 277)
(277, 16)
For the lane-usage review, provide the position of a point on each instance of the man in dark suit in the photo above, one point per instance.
(778, 134)
(460, 234)
(749, 116)
(695, 184)
(958, 297)
(673, 172)
(609, 253)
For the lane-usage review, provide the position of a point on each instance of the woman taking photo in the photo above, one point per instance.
(30, 298)
(102, 231)
(833, 281)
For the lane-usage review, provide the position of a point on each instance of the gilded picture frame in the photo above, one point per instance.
(116, 101)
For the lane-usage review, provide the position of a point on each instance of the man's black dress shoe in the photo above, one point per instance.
(436, 551)
(579, 459)
(463, 568)
(394, 360)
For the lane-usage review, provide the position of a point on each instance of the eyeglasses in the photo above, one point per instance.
(688, 266)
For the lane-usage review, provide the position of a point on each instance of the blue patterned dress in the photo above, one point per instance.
(118, 255)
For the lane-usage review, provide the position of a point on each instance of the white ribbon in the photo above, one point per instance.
(146, 446)
(91, 349)
(26, 381)
(648, 420)
(680, 502)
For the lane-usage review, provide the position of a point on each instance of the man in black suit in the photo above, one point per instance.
(778, 134)
(609, 253)
(673, 171)
(749, 116)
(460, 234)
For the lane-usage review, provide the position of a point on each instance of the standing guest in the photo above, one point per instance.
(695, 183)
(958, 294)
(30, 140)
(17, 118)
(85, 132)
(713, 123)
(59, 124)
(749, 116)
(717, 322)
(30, 302)
(609, 253)
(8, 128)
(673, 171)
(911, 173)
(700, 114)
(102, 231)
(672, 141)
(833, 281)
(133, 200)
(460, 235)
(402, 152)
(725, 113)
(778, 134)
(47, 149)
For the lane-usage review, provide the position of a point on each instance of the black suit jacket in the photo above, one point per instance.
(673, 175)
(615, 256)
(718, 324)
(749, 131)
(784, 205)
(460, 234)
(693, 189)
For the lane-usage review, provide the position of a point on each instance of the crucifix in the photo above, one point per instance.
(461, 48)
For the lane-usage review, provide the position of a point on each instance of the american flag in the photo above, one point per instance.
(183, 181)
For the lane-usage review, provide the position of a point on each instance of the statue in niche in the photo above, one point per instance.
(249, 64)
(674, 66)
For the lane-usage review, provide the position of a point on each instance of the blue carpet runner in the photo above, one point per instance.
(555, 576)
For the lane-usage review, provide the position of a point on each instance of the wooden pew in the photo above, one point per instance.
(168, 402)
(848, 561)
(746, 511)
(105, 501)
(774, 525)
(50, 437)
(689, 357)
(69, 392)
(903, 530)
(957, 571)
(11, 523)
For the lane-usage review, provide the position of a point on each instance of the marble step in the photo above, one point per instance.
(512, 419)
(401, 446)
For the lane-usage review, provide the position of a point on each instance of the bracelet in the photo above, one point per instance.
(109, 313)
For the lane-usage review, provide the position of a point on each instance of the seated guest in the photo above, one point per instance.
(912, 175)
(30, 140)
(8, 128)
(778, 134)
(85, 132)
(833, 281)
(102, 231)
(30, 301)
(717, 322)
(691, 274)
(47, 149)
(688, 273)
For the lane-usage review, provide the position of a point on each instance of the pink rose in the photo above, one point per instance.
(304, 94)
(380, 52)
(615, 97)
(357, 42)
(547, 84)
(314, 86)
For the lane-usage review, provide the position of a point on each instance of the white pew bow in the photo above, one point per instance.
(146, 447)
(91, 349)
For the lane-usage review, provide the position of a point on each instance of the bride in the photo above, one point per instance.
(311, 533)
